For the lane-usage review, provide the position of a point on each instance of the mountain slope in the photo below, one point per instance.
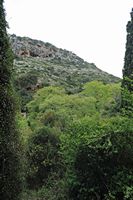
(39, 64)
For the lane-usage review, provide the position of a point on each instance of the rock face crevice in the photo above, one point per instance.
(26, 47)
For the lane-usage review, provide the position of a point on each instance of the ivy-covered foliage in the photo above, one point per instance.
(9, 139)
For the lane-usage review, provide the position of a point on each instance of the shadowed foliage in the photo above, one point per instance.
(9, 142)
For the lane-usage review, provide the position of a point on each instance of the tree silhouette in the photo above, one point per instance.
(9, 138)
(127, 83)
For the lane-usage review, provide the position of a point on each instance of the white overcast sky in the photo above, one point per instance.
(93, 29)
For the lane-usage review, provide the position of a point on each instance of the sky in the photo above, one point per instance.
(93, 29)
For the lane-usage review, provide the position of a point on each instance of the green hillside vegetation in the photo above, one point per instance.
(75, 141)
(76, 137)
(66, 129)
(38, 64)
(53, 107)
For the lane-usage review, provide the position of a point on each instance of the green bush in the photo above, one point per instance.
(42, 156)
(103, 164)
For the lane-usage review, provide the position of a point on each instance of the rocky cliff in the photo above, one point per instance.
(27, 47)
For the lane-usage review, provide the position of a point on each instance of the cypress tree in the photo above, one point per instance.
(127, 83)
(9, 138)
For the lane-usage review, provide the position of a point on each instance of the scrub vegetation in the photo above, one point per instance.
(63, 135)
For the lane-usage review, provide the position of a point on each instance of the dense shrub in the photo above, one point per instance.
(52, 107)
(103, 165)
(43, 157)
(25, 85)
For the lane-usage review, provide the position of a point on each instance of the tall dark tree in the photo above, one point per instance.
(9, 139)
(127, 83)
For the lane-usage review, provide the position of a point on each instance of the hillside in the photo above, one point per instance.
(38, 64)
(66, 128)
